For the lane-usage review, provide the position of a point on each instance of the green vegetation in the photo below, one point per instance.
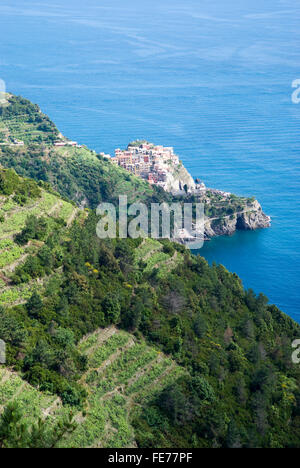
(127, 368)
(216, 206)
(137, 143)
(22, 120)
(76, 173)
(22, 189)
(13, 295)
(24, 255)
(9, 255)
(103, 352)
(142, 342)
(228, 379)
(15, 432)
(79, 174)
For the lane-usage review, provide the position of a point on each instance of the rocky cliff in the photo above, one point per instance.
(179, 180)
(249, 219)
(224, 212)
(28, 141)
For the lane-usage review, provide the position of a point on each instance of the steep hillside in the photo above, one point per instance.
(34, 403)
(143, 342)
(75, 172)
(25, 206)
(122, 374)
(23, 122)
(27, 144)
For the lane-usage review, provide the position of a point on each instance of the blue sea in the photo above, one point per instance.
(211, 78)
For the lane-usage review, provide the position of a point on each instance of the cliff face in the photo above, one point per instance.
(179, 180)
(245, 214)
(248, 220)
(80, 175)
(254, 219)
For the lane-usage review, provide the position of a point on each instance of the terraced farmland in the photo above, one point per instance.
(12, 255)
(20, 124)
(34, 403)
(9, 252)
(150, 254)
(15, 216)
(14, 295)
(123, 374)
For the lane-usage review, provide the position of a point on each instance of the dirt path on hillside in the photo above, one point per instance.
(72, 217)
(55, 208)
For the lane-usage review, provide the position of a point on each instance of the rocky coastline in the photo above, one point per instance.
(251, 219)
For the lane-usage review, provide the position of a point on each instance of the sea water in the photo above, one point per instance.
(212, 79)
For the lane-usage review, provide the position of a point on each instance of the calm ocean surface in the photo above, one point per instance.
(212, 79)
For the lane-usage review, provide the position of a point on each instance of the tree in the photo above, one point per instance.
(203, 389)
(111, 308)
(8, 181)
(254, 354)
(35, 228)
(173, 402)
(34, 305)
(200, 326)
(132, 317)
(11, 329)
(233, 436)
(174, 302)
(15, 432)
(241, 391)
(64, 337)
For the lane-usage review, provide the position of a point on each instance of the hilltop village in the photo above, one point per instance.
(147, 161)
(28, 135)
(158, 165)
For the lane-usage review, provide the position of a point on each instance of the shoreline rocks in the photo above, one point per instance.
(251, 219)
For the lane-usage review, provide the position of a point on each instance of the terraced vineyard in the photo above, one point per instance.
(150, 255)
(34, 403)
(21, 120)
(14, 295)
(9, 252)
(123, 374)
(12, 255)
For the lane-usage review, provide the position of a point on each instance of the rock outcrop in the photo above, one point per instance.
(246, 214)
(254, 219)
(250, 219)
(179, 181)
